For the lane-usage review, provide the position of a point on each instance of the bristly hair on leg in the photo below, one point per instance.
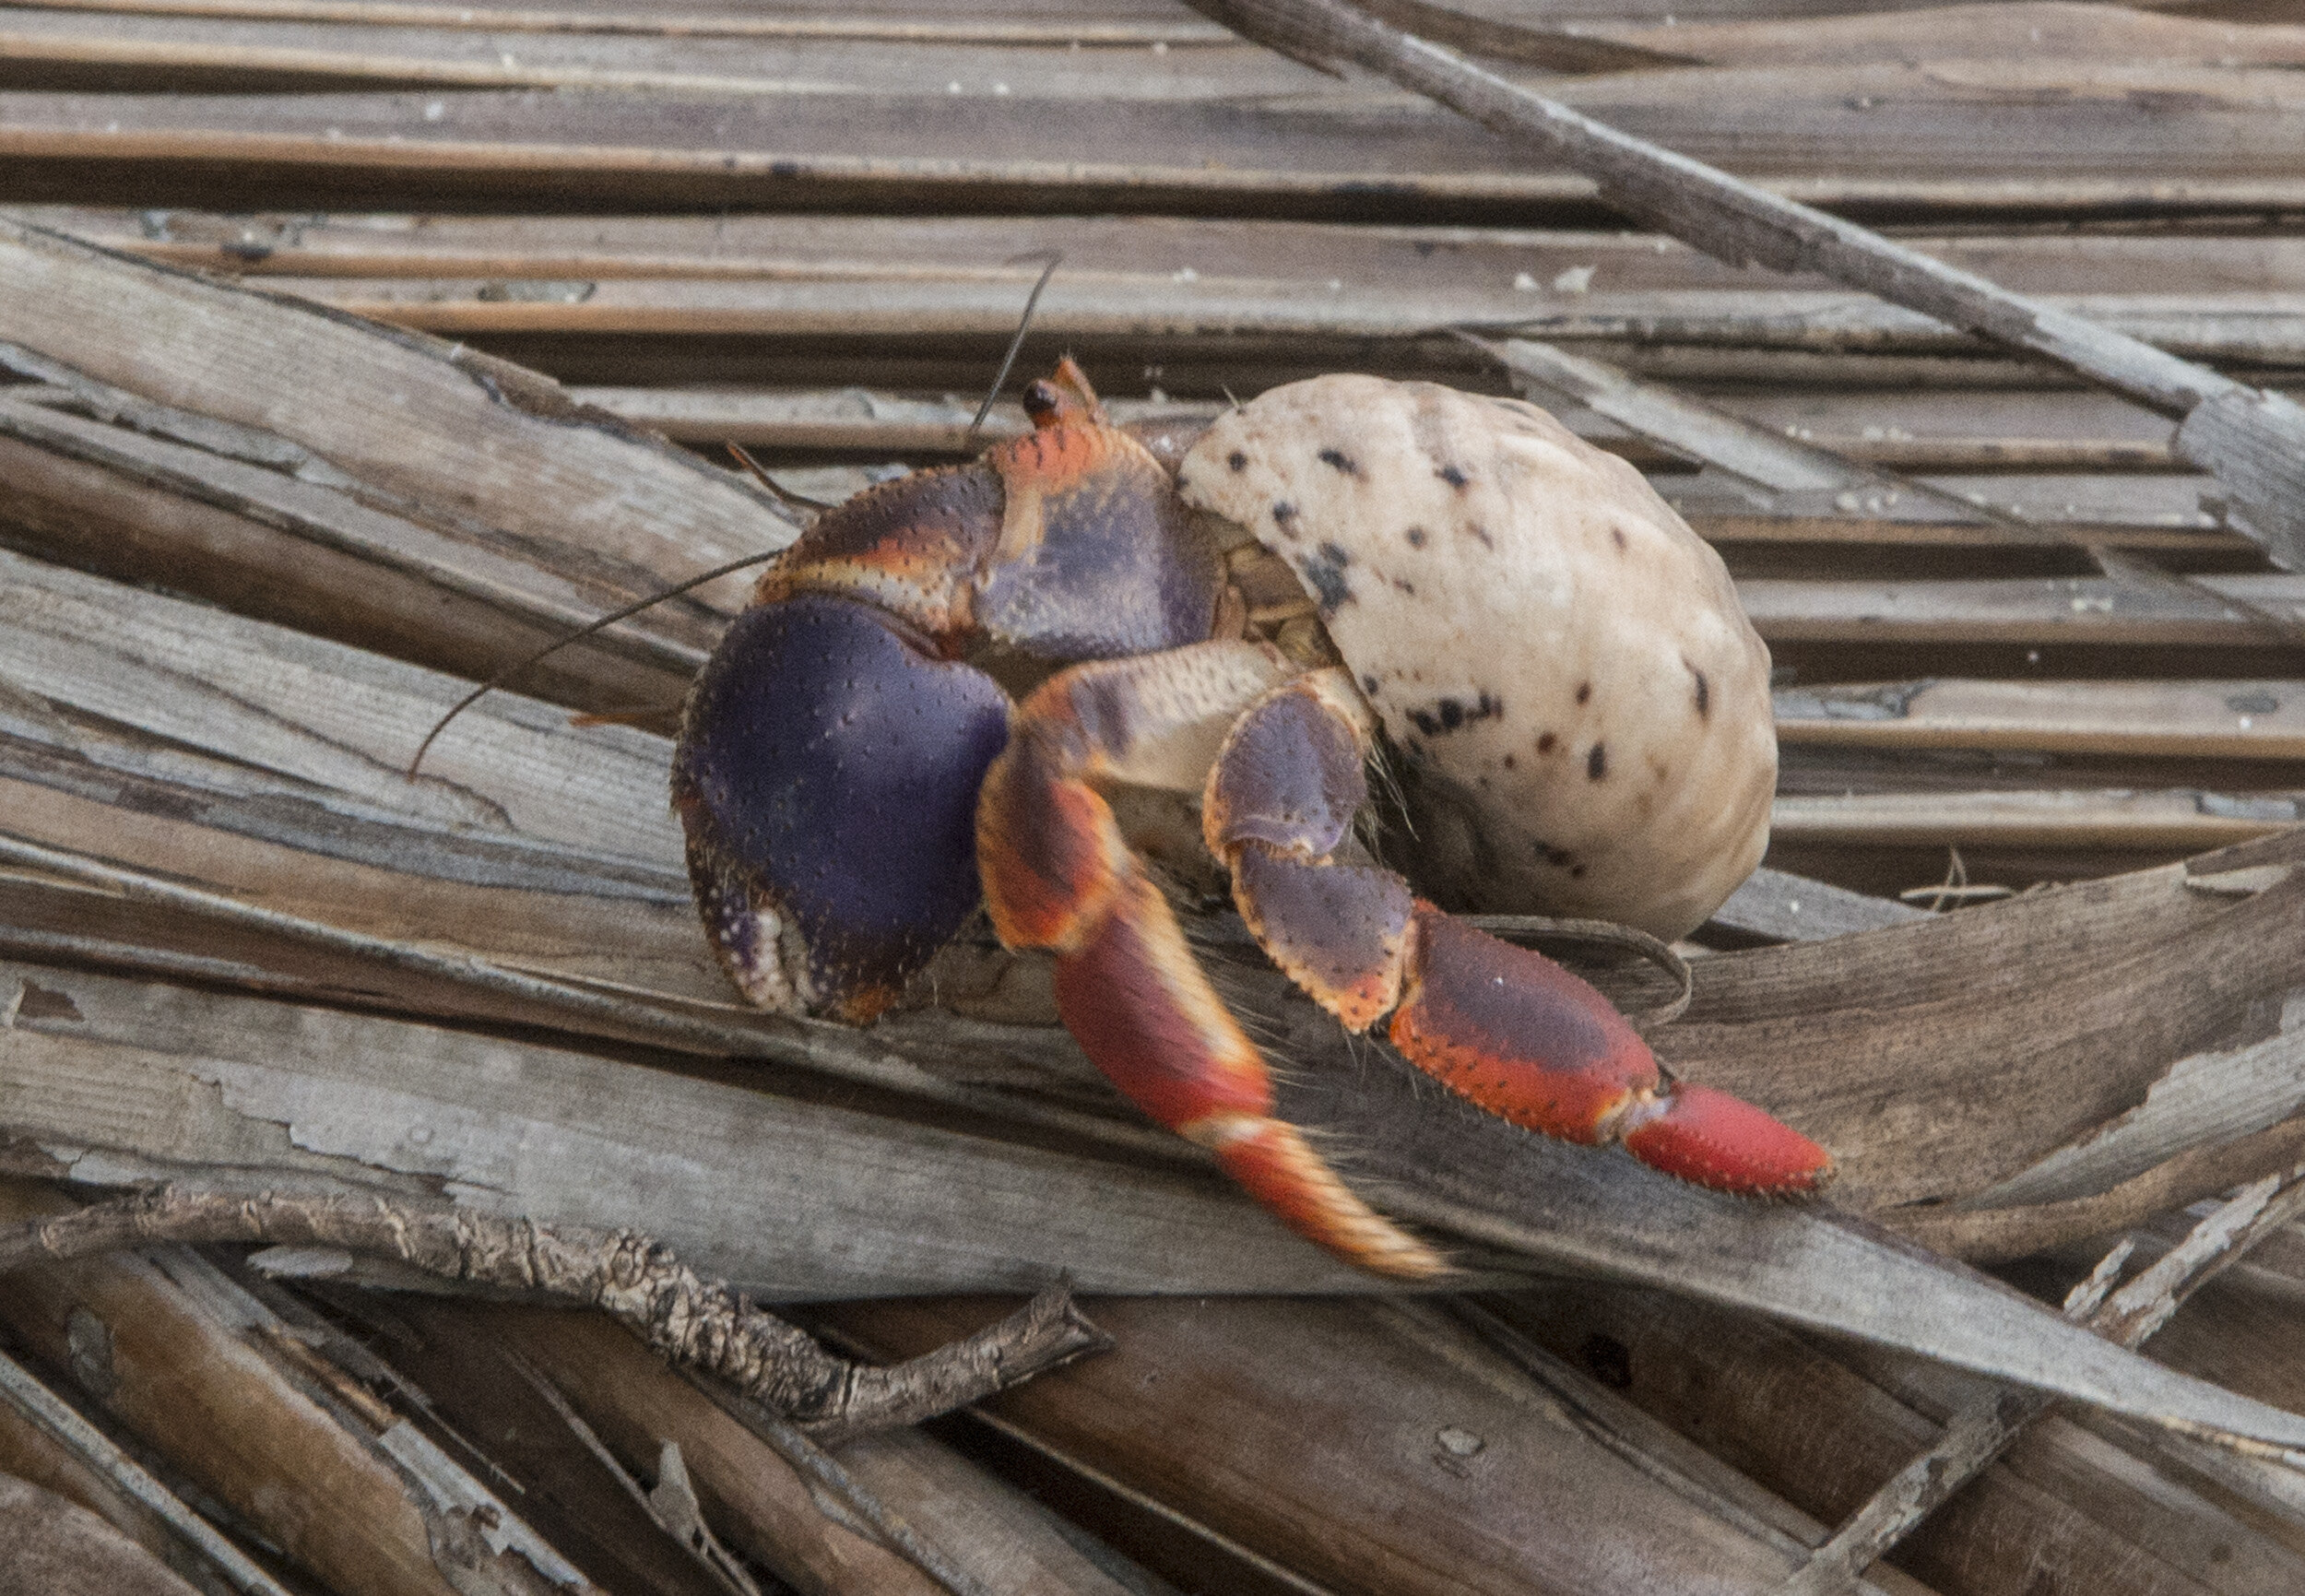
(1270, 1032)
(1388, 801)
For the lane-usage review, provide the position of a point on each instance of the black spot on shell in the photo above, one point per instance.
(1324, 571)
(1596, 763)
(1547, 743)
(1407, 588)
(1453, 475)
(1584, 693)
(1452, 715)
(1415, 535)
(1369, 684)
(1704, 689)
(1509, 762)
(1475, 529)
(1238, 461)
(1577, 873)
(1282, 512)
(1616, 536)
(1340, 460)
(1559, 859)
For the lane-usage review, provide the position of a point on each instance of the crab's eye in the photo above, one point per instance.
(1044, 401)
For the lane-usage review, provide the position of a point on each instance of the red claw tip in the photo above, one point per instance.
(1707, 1137)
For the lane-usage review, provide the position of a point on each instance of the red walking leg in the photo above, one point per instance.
(1502, 1025)
(1059, 875)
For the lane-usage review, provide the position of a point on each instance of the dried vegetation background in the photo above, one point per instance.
(351, 349)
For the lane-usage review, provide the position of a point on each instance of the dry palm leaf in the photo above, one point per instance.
(2251, 438)
(43, 1440)
(196, 1368)
(245, 780)
(1597, 1211)
(57, 1547)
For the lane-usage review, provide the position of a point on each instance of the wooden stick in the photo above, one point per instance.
(836, 1050)
(2250, 328)
(697, 1323)
(59, 1420)
(1711, 324)
(2064, 609)
(2233, 719)
(631, 175)
(252, 379)
(1208, 1406)
(672, 1505)
(847, 419)
(2119, 818)
(2252, 440)
(825, 1473)
(1646, 1442)
(1977, 1434)
(1554, 49)
(2193, 1174)
(1791, 475)
(310, 1463)
(1786, 472)
(1974, 32)
(1819, 1423)
(461, 1352)
(2248, 270)
(697, 25)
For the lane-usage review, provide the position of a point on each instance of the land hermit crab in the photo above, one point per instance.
(1578, 706)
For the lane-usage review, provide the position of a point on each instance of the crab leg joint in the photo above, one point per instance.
(1501, 1025)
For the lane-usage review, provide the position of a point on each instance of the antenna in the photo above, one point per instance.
(785, 496)
(1055, 257)
(505, 675)
(744, 457)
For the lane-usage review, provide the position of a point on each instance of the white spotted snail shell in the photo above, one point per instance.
(1583, 707)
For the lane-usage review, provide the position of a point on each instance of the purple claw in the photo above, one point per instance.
(827, 774)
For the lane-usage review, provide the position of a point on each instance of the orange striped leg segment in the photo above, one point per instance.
(1059, 875)
(1504, 1026)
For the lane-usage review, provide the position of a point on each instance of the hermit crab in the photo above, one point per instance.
(1555, 663)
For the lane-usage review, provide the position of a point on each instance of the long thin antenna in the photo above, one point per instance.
(510, 672)
(785, 496)
(1055, 257)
